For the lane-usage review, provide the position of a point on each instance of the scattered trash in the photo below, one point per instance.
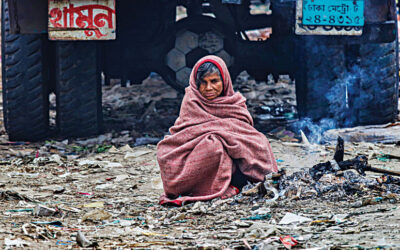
(15, 174)
(88, 194)
(146, 140)
(96, 215)
(258, 217)
(56, 158)
(288, 241)
(98, 204)
(43, 211)
(93, 163)
(126, 149)
(64, 243)
(102, 148)
(10, 196)
(282, 134)
(321, 222)
(304, 139)
(83, 241)
(107, 188)
(104, 186)
(20, 210)
(56, 189)
(15, 243)
(53, 223)
(135, 154)
(366, 202)
(99, 140)
(290, 218)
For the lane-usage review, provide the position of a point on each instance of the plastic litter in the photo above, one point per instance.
(20, 210)
(64, 243)
(53, 223)
(290, 218)
(258, 217)
(88, 194)
(288, 241)
(274, 191)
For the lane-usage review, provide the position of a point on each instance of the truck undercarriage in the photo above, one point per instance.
(362, 63)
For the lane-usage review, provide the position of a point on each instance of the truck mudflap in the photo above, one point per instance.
(81, 20)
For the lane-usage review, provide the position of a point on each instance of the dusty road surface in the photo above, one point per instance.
(103, 191)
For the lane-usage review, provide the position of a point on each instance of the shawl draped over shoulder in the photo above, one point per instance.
(197, 159)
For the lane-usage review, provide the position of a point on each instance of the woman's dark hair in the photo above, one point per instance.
(205, 69)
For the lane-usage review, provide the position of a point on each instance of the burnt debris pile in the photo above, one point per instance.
(334, 180)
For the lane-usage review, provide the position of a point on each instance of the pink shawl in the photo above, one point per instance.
(196, 160)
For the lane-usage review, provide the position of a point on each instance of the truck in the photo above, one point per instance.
(342, 54)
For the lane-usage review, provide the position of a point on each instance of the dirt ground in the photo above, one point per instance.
(107, 189)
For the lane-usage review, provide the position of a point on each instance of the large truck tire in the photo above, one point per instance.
(25, 93)
(78, 89)
(351, 84)
(196, 37)
(380, 87)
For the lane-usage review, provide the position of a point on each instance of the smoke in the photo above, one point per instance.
(314, 130)
(344, 99)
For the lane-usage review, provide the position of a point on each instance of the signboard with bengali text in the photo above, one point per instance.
(333, 12)
(329, 17)
(82, 20)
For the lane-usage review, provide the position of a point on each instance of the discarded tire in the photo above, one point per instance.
(78, 89)
(352, 85)
(196, 37)
(25, 95)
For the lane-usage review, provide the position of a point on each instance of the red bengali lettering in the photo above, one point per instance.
(90, 22)
(55, 17)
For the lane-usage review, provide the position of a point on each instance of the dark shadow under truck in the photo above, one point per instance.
(344, 60)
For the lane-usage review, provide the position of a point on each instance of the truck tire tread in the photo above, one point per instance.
(78, 90)
(25, 95)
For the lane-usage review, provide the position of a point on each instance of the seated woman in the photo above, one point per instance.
(213, 145)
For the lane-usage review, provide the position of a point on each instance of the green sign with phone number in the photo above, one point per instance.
(333, 12)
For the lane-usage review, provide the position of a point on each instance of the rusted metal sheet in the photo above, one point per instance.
(82, 20)
(302, 29)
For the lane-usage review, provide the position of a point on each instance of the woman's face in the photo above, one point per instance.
(211, 86)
